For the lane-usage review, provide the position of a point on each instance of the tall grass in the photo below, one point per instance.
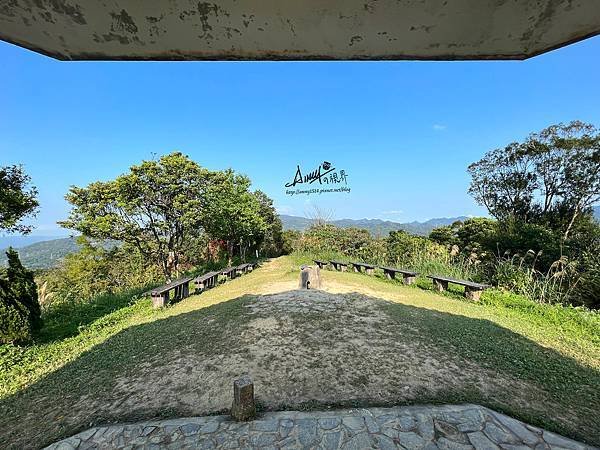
(428, 263)
(519, 274)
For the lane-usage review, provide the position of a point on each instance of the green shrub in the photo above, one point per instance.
(427, 257)
(329, 238)
(20, 313)
(14, 321)
(95, 270)
(587, 290)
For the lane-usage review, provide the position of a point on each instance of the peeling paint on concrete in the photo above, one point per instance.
(313, 29)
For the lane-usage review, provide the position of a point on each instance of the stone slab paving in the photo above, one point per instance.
(448, 427)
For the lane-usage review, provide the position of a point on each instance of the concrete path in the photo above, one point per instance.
(413, 427)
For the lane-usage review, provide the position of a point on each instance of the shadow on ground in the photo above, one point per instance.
(305, 350)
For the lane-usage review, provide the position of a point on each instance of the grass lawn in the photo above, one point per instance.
(361, 341)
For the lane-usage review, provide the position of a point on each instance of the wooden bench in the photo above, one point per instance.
(207, 281)
(161, 295)
(229, 272)
(407, 275)
(358, 267)
(320, 264)
(242, 268)
(472, 290)
(339, 265)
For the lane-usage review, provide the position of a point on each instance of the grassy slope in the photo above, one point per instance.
(509, 337)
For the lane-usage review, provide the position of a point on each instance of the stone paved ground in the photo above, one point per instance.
(413, 427)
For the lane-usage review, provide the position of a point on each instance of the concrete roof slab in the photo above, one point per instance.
(296, 30)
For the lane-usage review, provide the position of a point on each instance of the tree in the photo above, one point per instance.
(154, 208)
(550, 179)
(20, 313)
(474, 234)
(272, 241)
(567, 161)
(17, 199)
(233, 214)
(503, 182)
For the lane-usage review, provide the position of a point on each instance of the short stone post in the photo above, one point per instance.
(390, 275)
(370, 271)
(243, 407)
(310, 277)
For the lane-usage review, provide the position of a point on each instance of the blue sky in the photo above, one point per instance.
(404, 132)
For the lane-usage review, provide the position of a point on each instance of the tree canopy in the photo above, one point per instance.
(551, 179)
(17, 199)
(160, 207)
(20, 313)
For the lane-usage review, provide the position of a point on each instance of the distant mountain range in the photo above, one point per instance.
(16, 241)
(376, 227)
(43, 255)
(43, 252)
(379, 227)
(47, 254)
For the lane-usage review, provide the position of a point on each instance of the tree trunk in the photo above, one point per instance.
(230, 252)
(571, 222)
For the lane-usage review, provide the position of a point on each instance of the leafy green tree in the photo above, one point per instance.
(233, 214)
(17, 199)
(446, 235)
(550, 179)
(567, 165)
(272, 242)
(324, 237)
(476, 234)
(504, 182)
(291, 241)
(153, 208)
(20, 313)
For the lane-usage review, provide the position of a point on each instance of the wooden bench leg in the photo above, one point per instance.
(472, 294)
(369, 271)
(440, 285)
(409, 279)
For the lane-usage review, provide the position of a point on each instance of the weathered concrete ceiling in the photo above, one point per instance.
(296, 29)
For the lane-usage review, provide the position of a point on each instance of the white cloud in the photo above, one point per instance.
(439, 127)
(283, 209)
(393, 212)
